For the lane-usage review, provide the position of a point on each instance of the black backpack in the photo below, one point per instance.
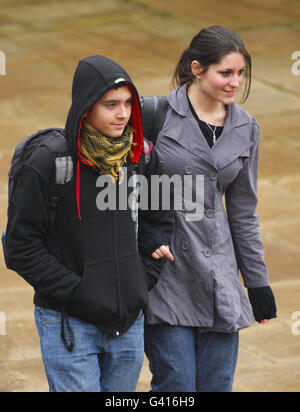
(154, 110)
(56, 142)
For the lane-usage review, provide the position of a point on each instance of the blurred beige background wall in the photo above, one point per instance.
(41, 43)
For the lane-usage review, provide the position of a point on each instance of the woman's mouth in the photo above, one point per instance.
(230, 92)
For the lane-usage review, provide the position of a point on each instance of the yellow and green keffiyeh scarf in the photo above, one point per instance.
(105, 153)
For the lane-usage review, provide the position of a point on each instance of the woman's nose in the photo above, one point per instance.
(236, 81)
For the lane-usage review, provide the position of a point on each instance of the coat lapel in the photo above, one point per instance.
(184, 129)
(186, 132)
(235, 138)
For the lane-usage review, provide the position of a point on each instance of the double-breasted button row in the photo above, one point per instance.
(208, 213)
(207, 252)
(189, 170)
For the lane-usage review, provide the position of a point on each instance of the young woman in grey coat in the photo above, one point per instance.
(198, 307)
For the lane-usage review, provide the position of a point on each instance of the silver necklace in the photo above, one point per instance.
(212, 130)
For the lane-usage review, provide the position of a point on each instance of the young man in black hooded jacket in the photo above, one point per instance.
(91, 288)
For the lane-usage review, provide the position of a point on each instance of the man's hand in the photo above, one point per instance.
(161, 252)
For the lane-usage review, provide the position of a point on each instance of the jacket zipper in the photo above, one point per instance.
(119, 290)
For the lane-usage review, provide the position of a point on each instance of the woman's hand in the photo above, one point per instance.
(161, 252)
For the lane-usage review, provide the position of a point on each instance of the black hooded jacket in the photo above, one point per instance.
(95, 273)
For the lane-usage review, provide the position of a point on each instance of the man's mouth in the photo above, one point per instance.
(119, 125)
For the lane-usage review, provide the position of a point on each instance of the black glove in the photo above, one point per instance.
(263, 303)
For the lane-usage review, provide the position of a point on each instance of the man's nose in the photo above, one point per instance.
(122, 113)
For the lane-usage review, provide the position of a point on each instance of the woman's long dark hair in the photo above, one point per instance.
(208, 47)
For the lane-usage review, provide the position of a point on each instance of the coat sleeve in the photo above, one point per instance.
(26, 234)
(241, 203)
(155, 226)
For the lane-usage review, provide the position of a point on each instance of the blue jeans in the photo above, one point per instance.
(98, 363)
(183, 360)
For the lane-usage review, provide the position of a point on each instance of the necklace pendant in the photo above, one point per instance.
(214, 138)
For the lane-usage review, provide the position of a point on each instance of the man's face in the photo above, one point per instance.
(112, 112)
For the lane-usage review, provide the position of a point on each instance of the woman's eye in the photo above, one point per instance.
(226, 74)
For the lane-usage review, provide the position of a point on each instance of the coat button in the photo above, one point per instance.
(185, 246)
(188, 170)
(207, 253)
(213, 176)
(210, 213)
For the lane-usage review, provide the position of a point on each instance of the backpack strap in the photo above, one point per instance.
(57, 143)
(58, 146)
(154, 111)
(64, 170)
(148, 146)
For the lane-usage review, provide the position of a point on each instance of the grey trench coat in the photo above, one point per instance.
(202, 288)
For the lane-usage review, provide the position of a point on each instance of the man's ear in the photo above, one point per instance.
(196, 69)
(87, 112)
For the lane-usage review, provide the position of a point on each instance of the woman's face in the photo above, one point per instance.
(222, 80)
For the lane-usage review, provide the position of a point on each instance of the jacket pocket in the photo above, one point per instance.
(134, 284)
(227, 301)
(96, 300)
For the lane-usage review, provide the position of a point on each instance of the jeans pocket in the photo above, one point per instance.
(48, 323)
(48, 316)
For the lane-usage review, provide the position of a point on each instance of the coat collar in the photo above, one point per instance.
(178, 101)
(233, 142)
